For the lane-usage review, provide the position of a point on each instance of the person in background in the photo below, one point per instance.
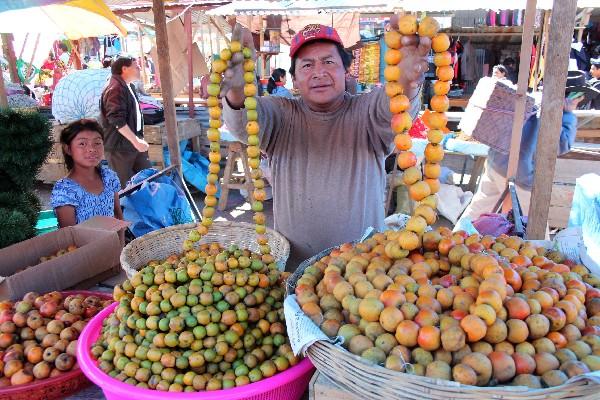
(500, 72)
(106, 62)
(61, 63)
(276, 85)
(89, 189)
(49, 62)
(511, 68)
(493, 181)
(121, 117)
(595, 82)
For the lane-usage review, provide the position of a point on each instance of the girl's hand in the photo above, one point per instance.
(414, 59)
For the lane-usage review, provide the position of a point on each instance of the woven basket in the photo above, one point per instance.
(369, 381)
(160, 244)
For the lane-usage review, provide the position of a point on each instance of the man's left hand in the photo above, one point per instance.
(414, 59)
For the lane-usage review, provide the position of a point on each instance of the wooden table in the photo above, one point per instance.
(458, 102)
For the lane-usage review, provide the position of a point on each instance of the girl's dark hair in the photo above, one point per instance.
(500, 68)
(68, 134)
(344, 55)
(276, 76)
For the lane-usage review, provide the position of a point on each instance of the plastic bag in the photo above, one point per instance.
(492, 224)
(157, 204)
(585, 214)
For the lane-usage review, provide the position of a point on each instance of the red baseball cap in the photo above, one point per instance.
(311, 33)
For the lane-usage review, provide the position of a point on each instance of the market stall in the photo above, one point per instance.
(419, 311)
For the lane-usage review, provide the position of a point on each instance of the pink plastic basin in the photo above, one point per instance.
(287, 385)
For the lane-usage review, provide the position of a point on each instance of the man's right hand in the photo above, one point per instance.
(233, 83)
(140, 145)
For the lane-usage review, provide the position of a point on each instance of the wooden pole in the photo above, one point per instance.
(190, 43)
(555, 77)
(166, 80)
(8, 48)
(210, 38)
(540, 51)
(142, 60)
(3, 97)
(23, 46)
(523, 82)
(35, 46)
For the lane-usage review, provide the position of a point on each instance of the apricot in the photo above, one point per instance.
(474, 327)
(524, 363)
(464, 374)
(503, 366)
(545, 362)
(439, 370)
(481, 365)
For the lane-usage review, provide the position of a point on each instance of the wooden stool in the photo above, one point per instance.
(230, 180)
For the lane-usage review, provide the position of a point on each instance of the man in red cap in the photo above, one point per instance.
(326, 148)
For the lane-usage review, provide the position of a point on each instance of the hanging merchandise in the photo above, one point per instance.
(112, 45)
(355, 65)
(369, 63)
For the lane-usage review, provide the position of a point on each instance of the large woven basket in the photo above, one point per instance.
(160, 244)
(369, 381)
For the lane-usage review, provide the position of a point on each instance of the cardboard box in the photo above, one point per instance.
(98, 250)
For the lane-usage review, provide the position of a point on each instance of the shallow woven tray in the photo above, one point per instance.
(369, 381)
(160, 244)
(60, 386)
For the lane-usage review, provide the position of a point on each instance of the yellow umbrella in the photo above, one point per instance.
(75, 19)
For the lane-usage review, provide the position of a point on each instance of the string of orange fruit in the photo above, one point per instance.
(492, 289)
(423, 183)
(234, 53)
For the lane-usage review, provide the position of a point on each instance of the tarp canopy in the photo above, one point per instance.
(301, 7)
(314, 7)
(75, 19)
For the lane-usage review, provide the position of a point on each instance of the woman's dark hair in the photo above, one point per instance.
(68, 134)
(500, 68)
(63, 46)
(344, 55)
(116, 68)
(276, 76)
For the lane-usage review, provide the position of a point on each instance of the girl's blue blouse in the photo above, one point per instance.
(87, 205)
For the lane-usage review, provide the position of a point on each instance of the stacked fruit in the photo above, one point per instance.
(477, 310)
(221, 65)
(208, 320)
(421, 189)
(59, 253)
(38, 335)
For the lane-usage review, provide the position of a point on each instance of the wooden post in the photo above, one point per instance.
(3, 97)
(166, 80)
(210, 38)
(23, 46)
(540, 51)
(523, 82)
(190, 43)
(142, 60)
(35, 46)
(8, 48)
(555, 77)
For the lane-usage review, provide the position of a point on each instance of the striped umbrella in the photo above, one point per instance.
(75, 19)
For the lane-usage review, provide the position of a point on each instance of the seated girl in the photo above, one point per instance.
(89, 189)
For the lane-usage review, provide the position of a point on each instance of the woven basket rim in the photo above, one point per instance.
(283, 248)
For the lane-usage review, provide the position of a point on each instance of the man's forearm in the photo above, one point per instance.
(128, 133)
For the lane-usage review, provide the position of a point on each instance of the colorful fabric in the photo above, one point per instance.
(67, 192)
